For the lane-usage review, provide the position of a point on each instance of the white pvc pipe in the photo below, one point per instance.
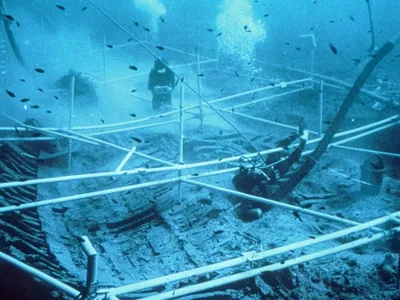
(40, 275)
(273, 203)
(269, 268)
(173, 168)
(199, 89)
(366, 151)
(105, 58)
(125, 160)
(71, 117)
(130, 288)
(181, 138)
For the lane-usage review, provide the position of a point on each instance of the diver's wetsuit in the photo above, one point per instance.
(161, 78)
(277, 165)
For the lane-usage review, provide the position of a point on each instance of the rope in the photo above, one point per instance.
(176, 74)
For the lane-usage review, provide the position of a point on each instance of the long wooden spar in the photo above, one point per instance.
(314, 157)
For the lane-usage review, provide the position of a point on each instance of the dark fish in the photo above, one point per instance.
(321, 208)
(11, 94)
(160, 47)
(351, 18)
(332, 21)
(200, 75)
(146, 29)
(327, 122)
(132, 67)
(84, 8)
(221, 90)
(110, 46)
(182, 79)
(136, 139)
(23, 80)
(252, 79)
(11, 18)
(56, 97)
(114, 201)
(19, 25)
(39, 70)
(219, 231)
(272, 84)
(134, 91)
(220, 133)
(233, 110)
(16, 129)
(356, 61)
(340, 215)
(35, 106)
(40, 90)
(48, 111)
(195, 174)
(133, 115)
(136, 23)
(298, 48)
(24, 100)
(333, 48)
(245, 27)
(297, 215)
(102, 121)
(237, 74)
(312, 28)
(162, 20)
(210, 30)
(266, 15)
(287, 43)
(312, 237)
(219, 34)
(60, 7)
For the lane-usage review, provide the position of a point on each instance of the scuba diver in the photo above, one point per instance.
(161, 83)
(257, 179)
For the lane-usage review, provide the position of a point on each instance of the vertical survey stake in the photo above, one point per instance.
(181, 135)
(71, 116)
(321, 114)
(199, 88)
(105, 58)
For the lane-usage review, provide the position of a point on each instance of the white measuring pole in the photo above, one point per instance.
(181, 124)
(71, 116)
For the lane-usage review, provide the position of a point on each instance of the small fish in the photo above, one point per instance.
(11, 94)
(132, 91)
(332, 21)
(340, 215)
(210, 30)
(16, 129)
(200, 75)
(221, 90)
(136, 23)
(60, 7)
(19, 25)
(287, 43)
(84, 8)
(252, 79)
(146, 29)
(237, 74)
(39, 70)
(333, 48)
(356, 61)
(312, 237)
(220, 133)
(23, 80)
(160, 48)
(297, 215)
(110, 46)
(24, 100)
(322, 208)
(233, 110)
(133, 115)
(35, 106)
(219, 34)
(195, 174)
(102, 121)
(136, 139)
(114, 201)
(351, 18)
(132, 67)
(327, 122)
(48, 111)
(245, 27)
(40, 90)
(219, 231)
(162, 20)
(266, 15)
(11, 18)
(55, 97)
(272, 84)
(298, 48)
